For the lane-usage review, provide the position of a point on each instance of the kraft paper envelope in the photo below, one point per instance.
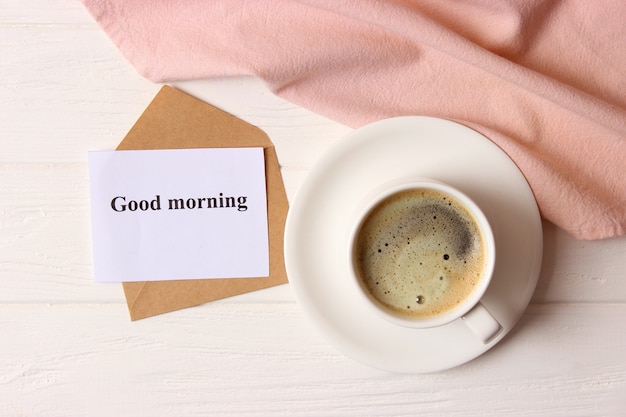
(175, 120)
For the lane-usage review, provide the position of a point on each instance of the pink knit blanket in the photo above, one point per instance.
(544, 80)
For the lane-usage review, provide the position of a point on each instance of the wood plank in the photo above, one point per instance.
(45, 254)
(66, 91)
(257, 359)
(36, 12)
(581, 270)
(73, 89)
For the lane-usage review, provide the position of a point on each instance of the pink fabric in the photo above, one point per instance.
(545, 80)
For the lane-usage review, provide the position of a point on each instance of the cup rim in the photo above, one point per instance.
(389, 189)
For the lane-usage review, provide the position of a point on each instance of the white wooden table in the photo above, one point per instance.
(69, 349)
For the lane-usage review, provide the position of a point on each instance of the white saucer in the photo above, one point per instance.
(320, 217)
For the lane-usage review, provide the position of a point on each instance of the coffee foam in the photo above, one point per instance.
(420, 253)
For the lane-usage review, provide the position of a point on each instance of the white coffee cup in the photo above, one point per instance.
(422, 254)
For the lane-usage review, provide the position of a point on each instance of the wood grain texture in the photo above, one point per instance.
(234, 359)
(69, 349)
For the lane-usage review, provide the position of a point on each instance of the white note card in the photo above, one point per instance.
(178, 214)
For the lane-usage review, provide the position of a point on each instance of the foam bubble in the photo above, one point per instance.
(420, 252)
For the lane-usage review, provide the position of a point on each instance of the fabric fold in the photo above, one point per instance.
(544, 80)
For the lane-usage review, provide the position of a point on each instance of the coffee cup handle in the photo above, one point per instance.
(482, 323)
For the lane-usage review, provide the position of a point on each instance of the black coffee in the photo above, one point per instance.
(420, 253)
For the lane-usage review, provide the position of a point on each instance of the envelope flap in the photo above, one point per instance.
(176, 120)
